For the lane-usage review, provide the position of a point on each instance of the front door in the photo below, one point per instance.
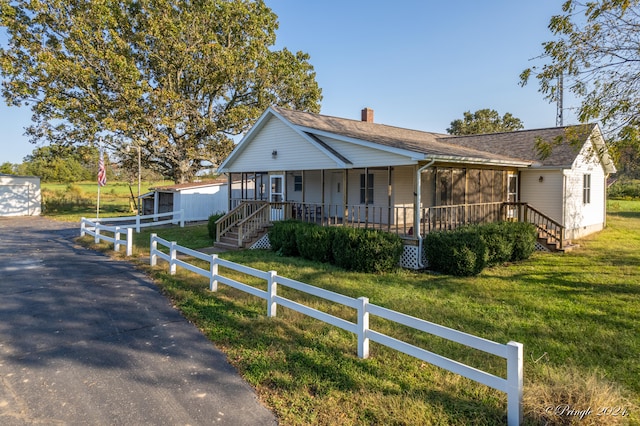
(277, 195)
(512, 195)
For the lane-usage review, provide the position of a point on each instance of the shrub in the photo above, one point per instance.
(366, 250)
(314, 243)
(461, 252)
(282, 236)
(211, 224)
(499, 242)
(524, 237)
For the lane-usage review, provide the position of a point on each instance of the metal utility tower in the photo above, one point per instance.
(560, 89)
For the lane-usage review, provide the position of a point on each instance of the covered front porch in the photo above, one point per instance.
(409, 201)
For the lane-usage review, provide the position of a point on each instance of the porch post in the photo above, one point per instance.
(230, 190)
(322, 198)
(389, 201)
(345, 196)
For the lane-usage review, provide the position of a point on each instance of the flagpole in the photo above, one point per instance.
(102, 179)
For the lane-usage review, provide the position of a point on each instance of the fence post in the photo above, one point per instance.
(138, 223)
(514, 383)
(363, 326)
(116, 239)
(153, 257)
(172, 262)
(272, 291)
(96, 239)
(129, 241)
(82, 225)
(213, 270)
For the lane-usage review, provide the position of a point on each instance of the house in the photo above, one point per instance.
(337, 171)
(198, 200)
(20, 195)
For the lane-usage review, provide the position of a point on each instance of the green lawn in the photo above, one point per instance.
(577, 315)
(70, 202)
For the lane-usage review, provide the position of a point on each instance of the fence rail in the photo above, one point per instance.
(512, 352)
(176, 217)
(95, 229)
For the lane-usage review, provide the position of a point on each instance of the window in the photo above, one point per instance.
(586, 189)
(297, 183)
(366, 188)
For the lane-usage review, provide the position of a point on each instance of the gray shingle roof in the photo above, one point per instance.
(428, 143)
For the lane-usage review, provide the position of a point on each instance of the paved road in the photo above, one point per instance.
(89, 340)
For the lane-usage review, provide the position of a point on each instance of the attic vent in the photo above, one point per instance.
(367, 115)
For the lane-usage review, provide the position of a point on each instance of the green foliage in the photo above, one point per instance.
(58, 163)
(178, 79)
(484, 121)
(366, 250)
(282, 236)
(211, 224)
(524, 237)
(498, 241)
(625, 190)
(461, 252)
(597, 51)
(7, 168)
(315, 242)
(466, 251)
(363, 250)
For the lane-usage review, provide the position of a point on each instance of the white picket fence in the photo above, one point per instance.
(512, 352)
(95, 229)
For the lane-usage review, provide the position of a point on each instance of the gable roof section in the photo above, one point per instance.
(516, 148)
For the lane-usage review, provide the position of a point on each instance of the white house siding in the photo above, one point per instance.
(403, 193)
(311, 187)
(293, 151)
(20, 196)
(580, 218)
(362, 156)
(545, 196)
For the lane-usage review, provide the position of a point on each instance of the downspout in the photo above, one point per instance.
(418, 210)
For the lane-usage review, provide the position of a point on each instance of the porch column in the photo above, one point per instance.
(345, 194)
(230, 193)
(389, 200)
(322, 198)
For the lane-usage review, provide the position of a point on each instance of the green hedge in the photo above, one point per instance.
(211, 224)
(362, 250)
(466, 251)
(366, 250)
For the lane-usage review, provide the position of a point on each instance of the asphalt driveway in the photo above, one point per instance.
(85, 339)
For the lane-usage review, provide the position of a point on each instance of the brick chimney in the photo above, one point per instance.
(367, 115)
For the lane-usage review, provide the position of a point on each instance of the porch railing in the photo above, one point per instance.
(442, 218)
(237, 214)
(551, 230)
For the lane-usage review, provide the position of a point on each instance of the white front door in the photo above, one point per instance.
(512, 194)
(277, 195)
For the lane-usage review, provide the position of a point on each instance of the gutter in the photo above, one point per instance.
(418, 204)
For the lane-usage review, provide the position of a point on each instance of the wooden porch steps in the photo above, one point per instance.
(229, 241)
(551, 243)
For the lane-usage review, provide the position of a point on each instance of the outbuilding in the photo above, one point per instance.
(20, 195)
(198, 200)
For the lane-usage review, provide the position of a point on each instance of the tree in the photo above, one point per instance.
(176, 78)
(484, 121)
(59, 163)
(7, 168)
(597, 52)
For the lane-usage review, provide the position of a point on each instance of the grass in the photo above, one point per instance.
(577, 315)
(70, 202)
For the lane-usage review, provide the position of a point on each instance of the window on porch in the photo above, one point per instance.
(366, 188)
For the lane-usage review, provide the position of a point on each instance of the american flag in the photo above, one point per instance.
(102, 172)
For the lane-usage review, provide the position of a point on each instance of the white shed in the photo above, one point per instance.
(198, 200)
(20, 195)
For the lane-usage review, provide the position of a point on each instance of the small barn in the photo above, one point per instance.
(198, 200)
(20, 195)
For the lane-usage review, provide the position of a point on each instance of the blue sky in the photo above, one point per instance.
(418, 64)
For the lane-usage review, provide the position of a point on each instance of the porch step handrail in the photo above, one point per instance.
(236, 215)
(252, 223)
(551, 230)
